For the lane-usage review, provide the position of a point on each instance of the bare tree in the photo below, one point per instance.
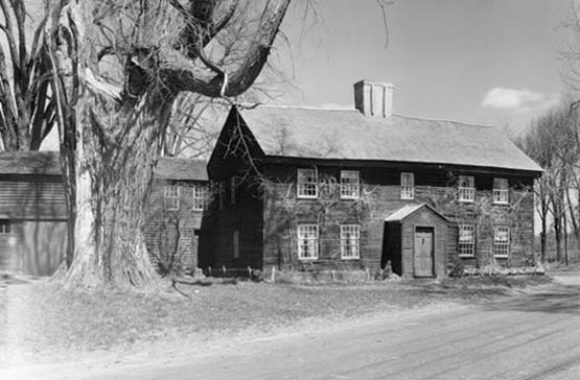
(122, 65)
(26, 112)
(551, 142)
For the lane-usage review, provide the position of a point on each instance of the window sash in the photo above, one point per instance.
(500, 196)
(349, 184)
(501, 241)
(308, 241)
(350, 241)
(466, 244)
(466, 188)
(199, 198)
(500, 191)
(407, 185)
(307, 183)
(171, 197)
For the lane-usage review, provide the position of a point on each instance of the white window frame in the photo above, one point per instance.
(236, 244)
(171, 195)
(199, 197)
(500, 191)
(501, 246)
(308, 240)
(350, 241)
(349, 184)
(307, 183)
(466, 188)
(466, 240)
(407, 185)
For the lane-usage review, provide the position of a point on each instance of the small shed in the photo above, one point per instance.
(32, 213)
(414, 241)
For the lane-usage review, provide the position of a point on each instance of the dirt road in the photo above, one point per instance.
(529, 336)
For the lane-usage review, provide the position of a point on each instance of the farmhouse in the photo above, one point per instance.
(317, 189)
(33, 213)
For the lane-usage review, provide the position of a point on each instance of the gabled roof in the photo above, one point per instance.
(349, 135)
(408, 210)
(181, 169)
(36, 163)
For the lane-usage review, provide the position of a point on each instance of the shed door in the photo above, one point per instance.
(423, 255)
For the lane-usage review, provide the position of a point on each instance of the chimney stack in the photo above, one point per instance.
(374, 98)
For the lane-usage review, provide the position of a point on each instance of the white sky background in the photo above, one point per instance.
(479, 61)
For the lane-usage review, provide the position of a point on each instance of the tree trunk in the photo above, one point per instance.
(116, 148)
(544, 217)
(120, 129)
(558, 237)
(565, 228)
(115, 162)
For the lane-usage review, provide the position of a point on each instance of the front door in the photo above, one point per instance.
(423, 254)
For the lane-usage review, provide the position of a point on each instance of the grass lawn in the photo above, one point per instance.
(40, 318)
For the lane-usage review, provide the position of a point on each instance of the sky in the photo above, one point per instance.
(492, 62)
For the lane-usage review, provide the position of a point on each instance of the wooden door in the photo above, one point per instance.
(423, 252)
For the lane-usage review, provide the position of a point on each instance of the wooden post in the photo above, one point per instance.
(273, 278)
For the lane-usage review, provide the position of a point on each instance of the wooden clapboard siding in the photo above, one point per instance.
(34, 206)
(172, 235)
(32, 197)
(283, 211)
(43, 246)
(244, 216)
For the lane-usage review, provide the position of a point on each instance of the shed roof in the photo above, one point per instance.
(408, 210)
(181, 169)
(349, 135)
(47, 163)
(37, 163)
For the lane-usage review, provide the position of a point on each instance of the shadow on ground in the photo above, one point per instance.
(553, 299)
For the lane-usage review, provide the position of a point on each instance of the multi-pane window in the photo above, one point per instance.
(500, 191)
(350, 241)
(307, 241)
(501, 241)
(466, 240)
(199, 197)
(171, 197)
(407, 186)
(466, 188)
(307, 183)
(4, 226)
(349, 184)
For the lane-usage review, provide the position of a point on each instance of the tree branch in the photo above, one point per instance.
(181, 73)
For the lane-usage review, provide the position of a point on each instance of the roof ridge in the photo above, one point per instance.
(315, 108)
(469, 124)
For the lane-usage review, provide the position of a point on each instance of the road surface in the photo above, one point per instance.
(530, 336)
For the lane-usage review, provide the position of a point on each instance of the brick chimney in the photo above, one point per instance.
(374, 98)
